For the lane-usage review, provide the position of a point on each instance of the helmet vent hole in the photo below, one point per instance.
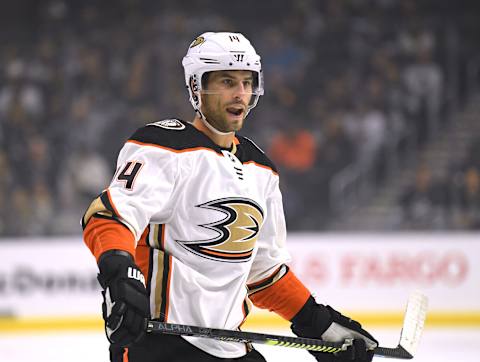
(230, 63)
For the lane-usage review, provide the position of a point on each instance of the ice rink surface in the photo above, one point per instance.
(437, 345)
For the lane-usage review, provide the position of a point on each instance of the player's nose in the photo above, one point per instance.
(240, 89)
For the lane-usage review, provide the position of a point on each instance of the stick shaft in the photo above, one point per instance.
(246, 337)
(309, 344)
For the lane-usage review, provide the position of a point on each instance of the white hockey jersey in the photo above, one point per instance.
(209, 221)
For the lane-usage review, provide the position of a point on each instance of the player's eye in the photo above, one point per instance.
(247, 83)
(227, 81)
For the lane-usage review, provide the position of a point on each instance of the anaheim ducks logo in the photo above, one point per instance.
(237, 231)
(197, 41)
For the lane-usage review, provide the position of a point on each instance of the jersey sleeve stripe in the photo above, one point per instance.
(159, 260)
(246, 308)
(97, 208)
(162, 236)
(285, 297)
(107, 200)
(167, 274)
(142, 255)
(162, 284)
(159, 236)
(276, 275)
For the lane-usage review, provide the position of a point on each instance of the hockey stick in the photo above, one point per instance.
(413, 323)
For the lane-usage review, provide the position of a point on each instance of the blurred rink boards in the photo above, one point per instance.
(49, 296)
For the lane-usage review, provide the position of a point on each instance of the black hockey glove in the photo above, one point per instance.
(319, 321)
(126, 306)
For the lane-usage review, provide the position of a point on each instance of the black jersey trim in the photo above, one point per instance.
(187, 139)
(191, 139)
(249, 152)
(101, 207)
(150, 268)
(267, 282)
(160, 242)
(104, 197)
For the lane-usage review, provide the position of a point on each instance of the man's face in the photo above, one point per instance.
(226, 97)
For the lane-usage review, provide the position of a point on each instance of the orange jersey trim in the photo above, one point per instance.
(172, 149)
(197, 149)
(262, 166)
(101, 235)
(226, 254)
(142, 254)
(285, 297)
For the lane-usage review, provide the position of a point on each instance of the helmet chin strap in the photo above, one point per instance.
(210, 127)
(204, 119)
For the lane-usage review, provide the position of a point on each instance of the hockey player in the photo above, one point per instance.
(191, 229)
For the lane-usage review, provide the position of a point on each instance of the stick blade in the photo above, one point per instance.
(414, 322)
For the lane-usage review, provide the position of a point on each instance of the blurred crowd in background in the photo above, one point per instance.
(356, 85)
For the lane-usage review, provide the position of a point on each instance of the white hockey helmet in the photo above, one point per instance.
(220, 51)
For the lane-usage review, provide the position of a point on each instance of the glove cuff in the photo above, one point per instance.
(312, 320)
(110, 263)
(113, 252)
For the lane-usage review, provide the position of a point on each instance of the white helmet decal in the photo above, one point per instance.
(220, 51)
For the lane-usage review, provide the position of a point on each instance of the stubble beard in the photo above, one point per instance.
(225, 125)
(222, 123)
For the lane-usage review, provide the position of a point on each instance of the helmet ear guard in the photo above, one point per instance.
(193, 89)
